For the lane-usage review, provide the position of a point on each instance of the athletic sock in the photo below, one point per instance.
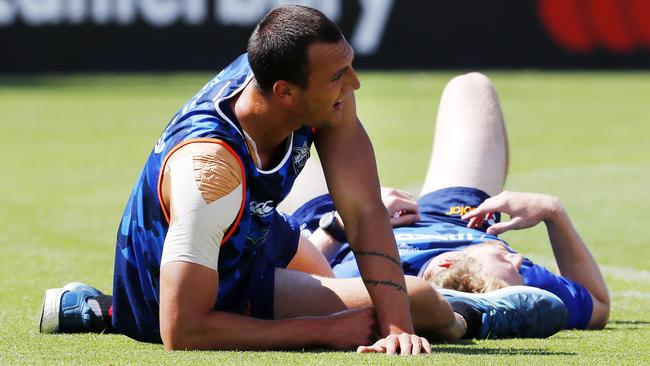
(471, 315)
(101, 306)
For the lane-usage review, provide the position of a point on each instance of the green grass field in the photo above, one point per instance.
(72, 146)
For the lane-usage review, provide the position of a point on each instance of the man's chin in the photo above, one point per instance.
(329, 123)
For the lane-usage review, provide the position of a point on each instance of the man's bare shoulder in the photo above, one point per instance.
(216, 169)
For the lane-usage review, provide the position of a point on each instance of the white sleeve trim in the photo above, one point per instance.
(197, 228)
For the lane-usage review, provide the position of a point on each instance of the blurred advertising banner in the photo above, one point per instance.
(84, 35)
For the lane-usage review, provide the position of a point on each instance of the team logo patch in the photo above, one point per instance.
(261, 209)
(256, 238)
(300, 156)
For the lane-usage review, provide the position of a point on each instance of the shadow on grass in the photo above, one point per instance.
(627, 324)
(500, 351)
(474, 351)
(469, 348)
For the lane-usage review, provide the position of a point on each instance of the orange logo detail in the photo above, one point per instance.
(459, 210)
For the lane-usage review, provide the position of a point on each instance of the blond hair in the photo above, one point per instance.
(465, 274)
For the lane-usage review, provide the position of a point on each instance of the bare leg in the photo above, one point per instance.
(299, 294)
(309, 185)
(470, 147)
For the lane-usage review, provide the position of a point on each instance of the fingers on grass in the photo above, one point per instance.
(426, 345)
(416, 343)
(375, 348)
(391, 345)
(405, 345)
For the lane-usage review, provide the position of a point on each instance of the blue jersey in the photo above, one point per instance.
(419, 243)
(257, 228)
(439, 232)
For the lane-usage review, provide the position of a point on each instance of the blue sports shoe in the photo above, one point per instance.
(514, 311)
(74, 308)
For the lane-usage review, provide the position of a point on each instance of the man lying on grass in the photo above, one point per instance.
(436, 242)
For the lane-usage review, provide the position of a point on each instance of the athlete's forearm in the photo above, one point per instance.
(346, 151)
(573, 258)
(225, 331)
(373, 244)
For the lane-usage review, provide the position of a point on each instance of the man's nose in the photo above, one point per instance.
(355, 83)
(516, 259)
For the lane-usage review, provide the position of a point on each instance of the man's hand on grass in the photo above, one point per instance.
(407, 344)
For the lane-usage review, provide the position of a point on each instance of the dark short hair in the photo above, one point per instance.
(277, 49)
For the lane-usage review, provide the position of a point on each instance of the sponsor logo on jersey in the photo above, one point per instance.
(300, 156)
(404, 239)
(405, 251)
(406, 248)
(261, 209)
(459, 210)
(462, 210)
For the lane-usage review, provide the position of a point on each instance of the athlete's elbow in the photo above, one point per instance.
(178, 337)
(599, 316)
(175, 341)
(175, 344)
(598, 324)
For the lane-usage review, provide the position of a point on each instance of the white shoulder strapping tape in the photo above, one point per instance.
(197, 228)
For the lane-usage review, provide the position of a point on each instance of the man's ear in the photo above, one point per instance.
(284, 92)
(445, 263)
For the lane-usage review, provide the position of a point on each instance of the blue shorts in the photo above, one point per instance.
(446, 205)
(309, 214)
(251, 293)
(449, 204)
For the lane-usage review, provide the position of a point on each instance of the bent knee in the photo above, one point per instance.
(420, 291)
(599, 315)
(431, 314)
(470, 82)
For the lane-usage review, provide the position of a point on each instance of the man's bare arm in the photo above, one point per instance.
(575, 261)
(573, 258)
(188, 321)
(350, 169)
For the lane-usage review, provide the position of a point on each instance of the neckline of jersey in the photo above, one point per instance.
(217, 106)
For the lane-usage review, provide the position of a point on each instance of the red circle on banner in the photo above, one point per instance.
(580, 26)
(640, 15)
(611, 26)
(562, 20)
